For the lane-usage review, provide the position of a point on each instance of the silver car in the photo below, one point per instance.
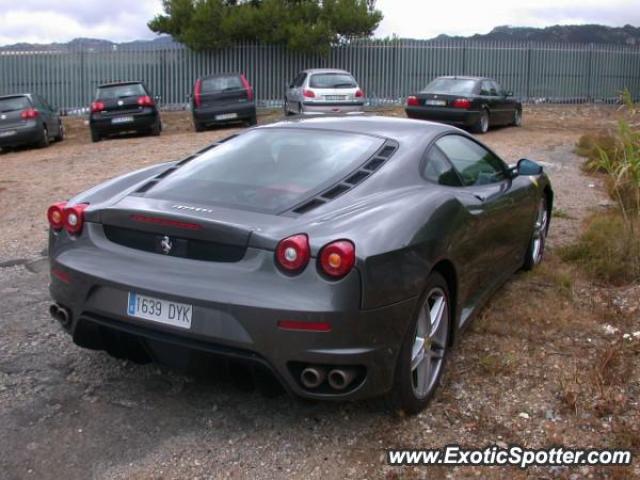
(323, 91)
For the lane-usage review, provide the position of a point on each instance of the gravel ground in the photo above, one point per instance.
(545, 364)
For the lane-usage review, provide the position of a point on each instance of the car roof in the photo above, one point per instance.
(392, 128)
(117, 84)
(325, 70)
(464, 77)
(221, 74)
(15, 95)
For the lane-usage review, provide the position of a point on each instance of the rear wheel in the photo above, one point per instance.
(44, 139)
(422, 355)
(156, 129)
(199, 127)
(253, 121)
(535, 251)
(482, 124)
(95, 136)
(287, 112)
(60, 136)
(517, 118)
(300, 109)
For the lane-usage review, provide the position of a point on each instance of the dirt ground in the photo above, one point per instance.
(544, 364)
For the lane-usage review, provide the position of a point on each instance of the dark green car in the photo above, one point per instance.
(343, 254)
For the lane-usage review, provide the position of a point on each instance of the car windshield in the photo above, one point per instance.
(332, 80)
(219, 84)
(455, 86)
(120, 91)
(268, 170)
(14, 103)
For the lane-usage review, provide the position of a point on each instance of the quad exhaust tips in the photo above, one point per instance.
(341, 378)
(312, 377)
(61, 314)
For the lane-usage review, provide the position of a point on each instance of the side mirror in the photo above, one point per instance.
(526, 167)
(157, 98)
(509, 93)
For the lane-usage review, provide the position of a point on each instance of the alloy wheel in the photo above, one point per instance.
(540, 232)
(430, 342)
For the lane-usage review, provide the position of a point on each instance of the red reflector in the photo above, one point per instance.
(461, 103)
(413, 101)
(97, 106)
(64, 277)
(309, 94)
(304, 326)
(166, 222)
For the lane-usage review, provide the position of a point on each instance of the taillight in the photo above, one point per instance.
(197, 93)
(359, 94)
(146, 101)
(461, 103)
(247, 87)
(55, 215)
(337, 258)
(97, 106)
(309, 93)
(413, 101)
(293, 253)
(73, 218)
(29, 113)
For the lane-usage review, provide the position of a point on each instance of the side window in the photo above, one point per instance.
(496, 88)
(485, 88)
(438, 169)
(475, 164)
(300, 80)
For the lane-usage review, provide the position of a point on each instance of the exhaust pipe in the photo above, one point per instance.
(312, 377)
(341, 378)
(61, 314)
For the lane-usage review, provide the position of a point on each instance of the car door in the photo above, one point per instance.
(44, 113)
(495, 232)
(504, 112)
(508, 105)
(489, 98)
(53, 121)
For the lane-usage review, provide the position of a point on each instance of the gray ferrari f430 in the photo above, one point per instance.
(344, 254)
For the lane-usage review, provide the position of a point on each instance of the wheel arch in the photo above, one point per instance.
(447, 269)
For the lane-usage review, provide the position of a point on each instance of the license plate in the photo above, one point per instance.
(7, 134)
(334, 98)
(158, 310)
(436, 103)
(118, 120)
(226, 116)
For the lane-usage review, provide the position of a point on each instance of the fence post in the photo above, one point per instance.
(529, 72)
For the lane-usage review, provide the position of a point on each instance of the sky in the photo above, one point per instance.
(45, 21)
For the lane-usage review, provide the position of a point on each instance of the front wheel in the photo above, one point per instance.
(422, 355)
(517, 118)
(287, 111)
(44, 139)
(535, 251)
(60, 136)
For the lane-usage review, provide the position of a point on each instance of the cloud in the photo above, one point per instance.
(44, 21)
(427, 19)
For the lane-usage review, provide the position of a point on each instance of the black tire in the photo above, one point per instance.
(482, 124)
(60, 136)
(95, 136)
(44, 139)
(285, 107)
(300, 109)
(156, 129)
(403, 398)
(199, 127)
(253, 121)
(535, 249)
(517, 118)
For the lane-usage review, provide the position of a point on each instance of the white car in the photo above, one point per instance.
(323, 91)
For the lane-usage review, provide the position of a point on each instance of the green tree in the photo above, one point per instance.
(310, 26)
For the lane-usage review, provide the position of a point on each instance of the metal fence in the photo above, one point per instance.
(388, 70)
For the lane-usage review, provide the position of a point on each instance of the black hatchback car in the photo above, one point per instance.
(28, 119)
(221, 98)
(123, 107)
(475, 103)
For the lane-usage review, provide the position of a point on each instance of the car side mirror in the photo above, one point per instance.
(158, 98)
(509, 94)
(527, 167)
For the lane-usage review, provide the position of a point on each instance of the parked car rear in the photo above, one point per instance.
(28, 119)
(323, 91)
(123, 107)
(471, 102)
(221, 98)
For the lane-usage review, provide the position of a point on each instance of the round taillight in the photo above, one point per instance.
(55, 215)
(337, 258)
(73, 218)
(293, 253)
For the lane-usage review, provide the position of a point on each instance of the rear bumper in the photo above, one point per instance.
(452, 116)
(140, 121)
(236, 309)
(21, 135)
(334, 107)
(207, 116)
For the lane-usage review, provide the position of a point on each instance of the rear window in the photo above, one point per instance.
(268, 170)
(14, 103)
(120, 91)
(332, 80)
(220, 84)
(454, 86)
